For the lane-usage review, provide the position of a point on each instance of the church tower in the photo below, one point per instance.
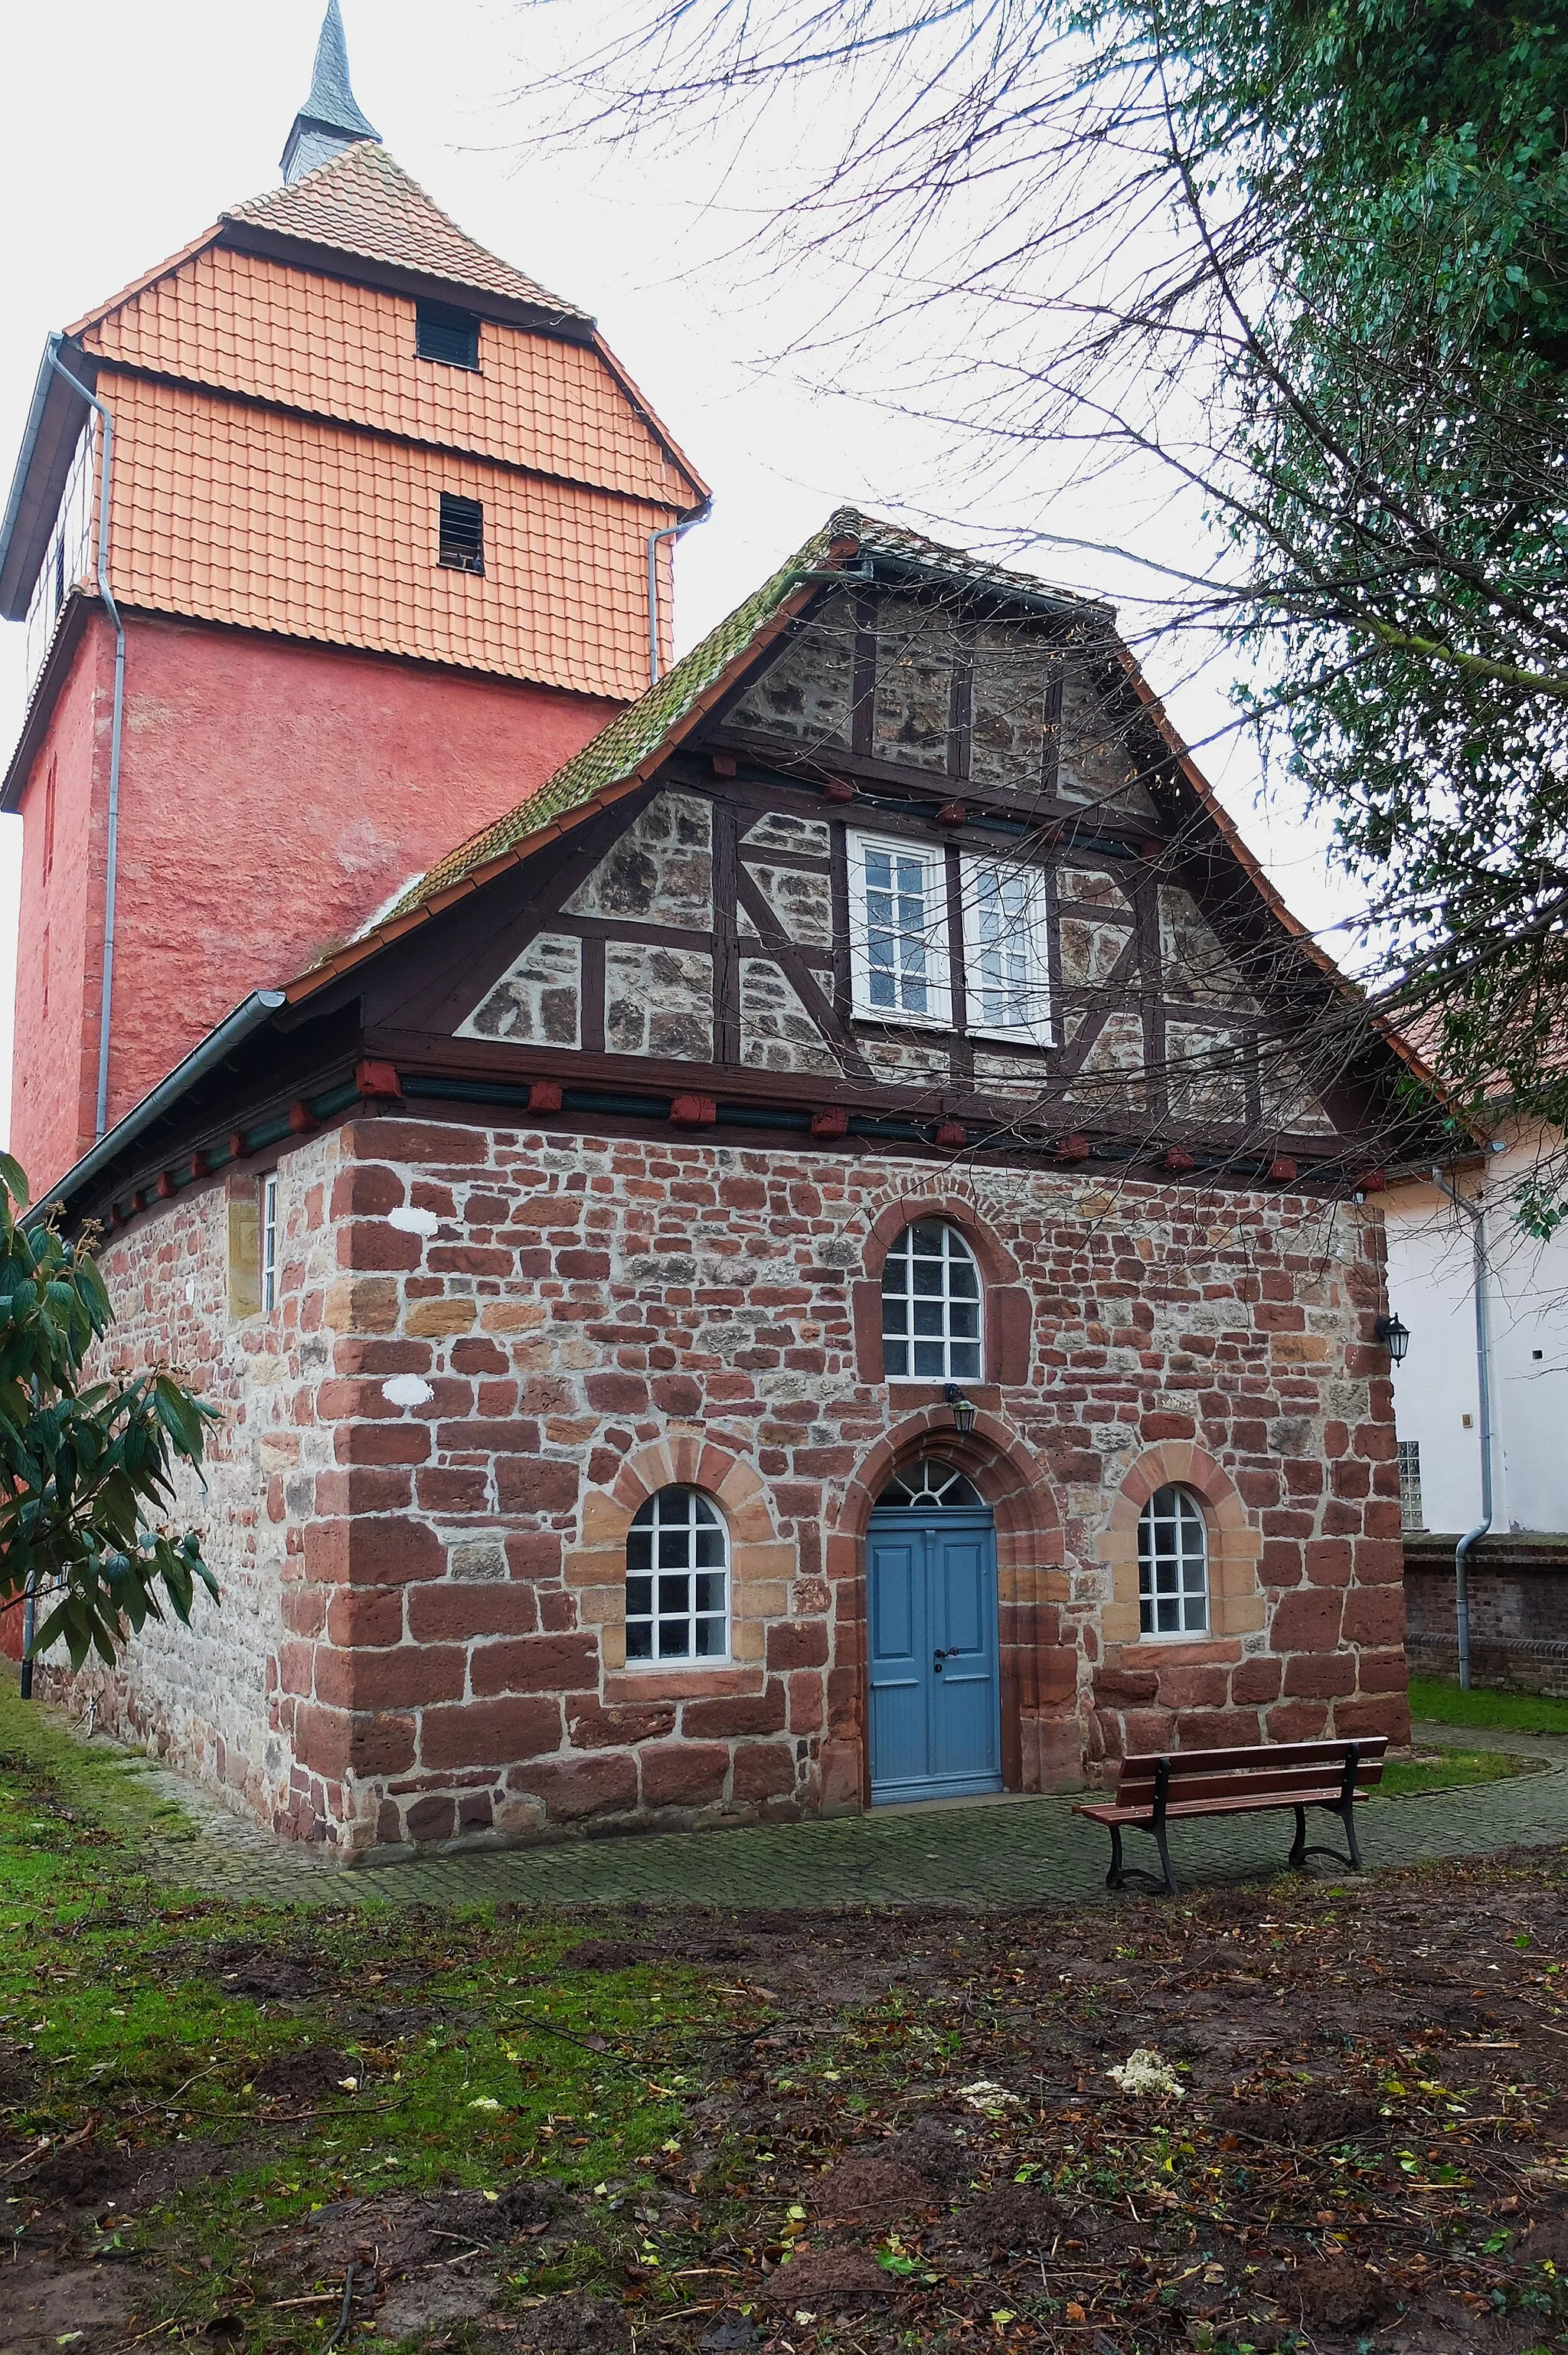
(332, 536)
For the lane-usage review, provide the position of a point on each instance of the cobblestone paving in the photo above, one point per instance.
(1023, 1851)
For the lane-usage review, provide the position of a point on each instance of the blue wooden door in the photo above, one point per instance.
(936, 1729)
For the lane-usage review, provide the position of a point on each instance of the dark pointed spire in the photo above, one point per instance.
(329, 120)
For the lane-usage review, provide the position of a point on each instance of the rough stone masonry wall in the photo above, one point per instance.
(490, 1345)
(205, 1696)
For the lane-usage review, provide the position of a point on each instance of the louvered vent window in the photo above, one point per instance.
(462, 534)
(449, 337)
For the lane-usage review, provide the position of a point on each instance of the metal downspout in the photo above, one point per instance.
(117, 730)
(1476, 1213)
(671, 531)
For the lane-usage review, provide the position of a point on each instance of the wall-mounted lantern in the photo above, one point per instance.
(1394, 1337)
(964, 1410)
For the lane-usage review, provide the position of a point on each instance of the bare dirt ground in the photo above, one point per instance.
(874, 2130)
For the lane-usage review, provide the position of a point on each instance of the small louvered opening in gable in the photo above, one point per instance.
(462, 534)
(449, 337)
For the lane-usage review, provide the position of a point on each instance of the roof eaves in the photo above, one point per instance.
(1246, 860)
(96, 317)
(54, 423)
(400, 277)
(356, 184)
(650, 416)
(73, 619)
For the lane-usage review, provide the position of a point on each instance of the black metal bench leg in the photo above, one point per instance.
(1114, 1878)
(1298, 1845)
(1348, 1818)
(1159, 1830)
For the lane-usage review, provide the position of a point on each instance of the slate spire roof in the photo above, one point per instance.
(330, 119)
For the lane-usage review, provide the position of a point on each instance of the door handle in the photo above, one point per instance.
(938, 1656)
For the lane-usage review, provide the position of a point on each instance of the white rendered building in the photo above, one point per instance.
(1431, 1273)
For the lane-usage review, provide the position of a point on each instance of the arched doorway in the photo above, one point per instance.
(932, 1613)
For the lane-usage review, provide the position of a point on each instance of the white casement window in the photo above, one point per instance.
(270, 1241)
(931, 1306)
(1007, 980)
(899, 932)
(900, 941)
(677, 1580)
(1172, 1565)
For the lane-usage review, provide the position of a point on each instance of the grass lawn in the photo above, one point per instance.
(226, 2125)
(1449, 1768)
(1438, 1700)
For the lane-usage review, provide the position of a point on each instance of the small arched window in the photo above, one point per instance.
(1172, 1565)
(931, 1306)
(677, 1580)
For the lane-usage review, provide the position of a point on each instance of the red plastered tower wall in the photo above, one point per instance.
(273, 796)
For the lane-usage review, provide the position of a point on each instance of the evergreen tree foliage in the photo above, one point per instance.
(89, 1467)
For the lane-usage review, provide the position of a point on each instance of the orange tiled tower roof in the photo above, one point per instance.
(284, 441)
(362, 202)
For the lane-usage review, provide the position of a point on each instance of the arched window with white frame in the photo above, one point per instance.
(931, 1306)
(677, 1579)
(1172, 1565)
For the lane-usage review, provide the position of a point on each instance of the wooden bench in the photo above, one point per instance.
(1151, 1791)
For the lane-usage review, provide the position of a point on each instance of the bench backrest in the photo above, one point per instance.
(1264, 1770)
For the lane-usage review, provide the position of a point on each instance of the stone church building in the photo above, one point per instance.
(796, 1236)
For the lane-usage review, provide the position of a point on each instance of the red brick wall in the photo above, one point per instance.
(273, 794)
(434, 1576)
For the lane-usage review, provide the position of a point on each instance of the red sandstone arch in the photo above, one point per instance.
(760, 1563)
(1006, 1305)
(1041, 1744)
(1236, 1606)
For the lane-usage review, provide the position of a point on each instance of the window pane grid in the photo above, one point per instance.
(930, 1483)
(677, 1580)
(900, 932)
(1007, 976)
(1172, 1565)
(931, 1307)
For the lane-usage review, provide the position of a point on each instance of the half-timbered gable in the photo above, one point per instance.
(823, 1259)
(916, 851)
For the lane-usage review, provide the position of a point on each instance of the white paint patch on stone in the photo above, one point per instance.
(407, 1390)
(413, 1222)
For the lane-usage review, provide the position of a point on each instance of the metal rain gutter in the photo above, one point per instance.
(246, 1016)
(670, 531)
(1476, 1213)
(117, 729)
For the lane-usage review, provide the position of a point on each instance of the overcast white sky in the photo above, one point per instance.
(130, 128)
